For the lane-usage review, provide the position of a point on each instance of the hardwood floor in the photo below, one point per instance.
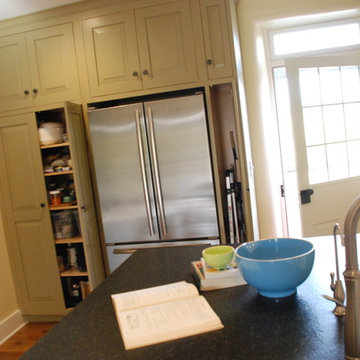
(23, 340)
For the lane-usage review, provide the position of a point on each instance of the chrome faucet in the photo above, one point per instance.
(337, 286)
(352, 282)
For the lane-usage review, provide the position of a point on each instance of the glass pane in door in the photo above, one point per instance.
(330, 100)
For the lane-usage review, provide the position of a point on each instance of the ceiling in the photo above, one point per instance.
(13, 8)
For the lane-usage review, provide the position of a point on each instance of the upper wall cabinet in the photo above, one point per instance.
(38, 67)
(141, 49)
(111, 54)
(216, 39)
(15, 81)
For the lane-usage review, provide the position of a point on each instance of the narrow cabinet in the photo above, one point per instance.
(71, 206)
(140, 49)
(38, 67)
(26, 218)
(46, 201)
(216, 39)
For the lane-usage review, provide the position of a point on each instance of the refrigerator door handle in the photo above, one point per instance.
(143, 173)
(156, 172)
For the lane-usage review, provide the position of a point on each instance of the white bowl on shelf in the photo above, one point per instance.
(51, 133)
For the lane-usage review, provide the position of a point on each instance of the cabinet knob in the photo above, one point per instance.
(42, 205)
(35, 91)
(208, 61)
(145, 72)
(135, 73)
(26, 92)
(83, 207)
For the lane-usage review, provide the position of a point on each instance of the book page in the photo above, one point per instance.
(154, 295)
(167, 321)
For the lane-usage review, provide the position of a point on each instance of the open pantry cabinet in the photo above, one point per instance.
(230, 157)
(71, 207)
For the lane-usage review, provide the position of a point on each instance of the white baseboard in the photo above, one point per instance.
(10, 325)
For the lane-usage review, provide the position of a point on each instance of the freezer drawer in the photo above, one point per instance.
(116, 257)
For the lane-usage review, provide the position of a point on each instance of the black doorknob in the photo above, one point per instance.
(305, 196)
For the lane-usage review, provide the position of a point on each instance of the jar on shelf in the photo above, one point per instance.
(55, 197)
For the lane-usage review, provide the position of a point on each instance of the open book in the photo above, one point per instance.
(163, 313)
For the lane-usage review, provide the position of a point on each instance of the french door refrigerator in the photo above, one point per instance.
(153, 174)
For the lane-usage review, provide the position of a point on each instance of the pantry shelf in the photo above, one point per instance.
(74, 240)
(72, 272)
(62, 207)
(54, 145)
(56, 173)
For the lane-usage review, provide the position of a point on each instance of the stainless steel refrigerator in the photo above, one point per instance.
(153, 174)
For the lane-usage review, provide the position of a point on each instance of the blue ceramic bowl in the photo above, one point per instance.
(275, 267)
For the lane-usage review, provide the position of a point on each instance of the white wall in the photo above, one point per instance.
(253, 17)
(13, 8)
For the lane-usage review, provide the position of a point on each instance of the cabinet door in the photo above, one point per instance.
(14, 74)
(166, 44)
(52, 64)
(25, 210)
(111, 54)
(87, 215)
(216, 38)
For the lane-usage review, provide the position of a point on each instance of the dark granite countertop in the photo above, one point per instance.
(300, 327)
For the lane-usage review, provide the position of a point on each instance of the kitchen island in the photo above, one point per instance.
(300, 327)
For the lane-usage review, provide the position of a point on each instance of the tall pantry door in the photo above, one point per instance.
(27, 223)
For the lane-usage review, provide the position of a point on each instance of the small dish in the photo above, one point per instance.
(218, 256)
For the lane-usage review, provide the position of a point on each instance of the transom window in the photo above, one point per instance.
(287, 42)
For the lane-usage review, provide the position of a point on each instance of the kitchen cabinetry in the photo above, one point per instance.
(130, 50)
(26, 219)
(38, 67)
(39, 232)
(216, 39)
(71, 204)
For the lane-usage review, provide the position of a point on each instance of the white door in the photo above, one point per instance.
(325, 106)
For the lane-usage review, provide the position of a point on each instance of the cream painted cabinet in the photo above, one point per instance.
(166, 44)
(28, 227)
(216, 39)
(146, 48)
(38, 67)
(15, 83)
(52, 239)
(71, 206)
(52, 62)
(111, 54)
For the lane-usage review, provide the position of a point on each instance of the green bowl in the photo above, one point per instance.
(218, 256)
